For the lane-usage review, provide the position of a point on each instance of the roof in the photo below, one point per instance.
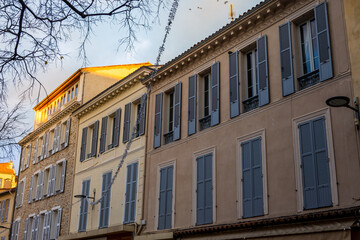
(7, 168)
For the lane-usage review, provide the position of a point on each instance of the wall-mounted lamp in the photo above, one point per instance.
(343, 101)
(82, 196)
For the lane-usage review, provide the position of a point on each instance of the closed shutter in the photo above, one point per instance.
(67, 132)
(31, 189)
(252, 178)
(262, 71)
(95, 139)
(63, 173)
(46, 220)
(58, 223)
(83, 144)
(215, 93)
(130, 195)
(323, 38)
(105, 203)
(287, 76)
(3, 211)
(314, 164)
(177, 111)
(234, 84)
(22, 192)
(204, 201)
(35, 151)
(126, 131)
(116, 132)
(165, 198)
(26, 229)
(103, 134)
(142, 118)
(37, 222)
(84, 206)
(33, 227)
(192, 105)
(157, 122)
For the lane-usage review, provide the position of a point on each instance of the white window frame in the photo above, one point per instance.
(159, 167)
(194, 181)
(325, 112)
(239, 140)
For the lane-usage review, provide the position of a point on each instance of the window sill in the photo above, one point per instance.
(169, 137)
(205, 122)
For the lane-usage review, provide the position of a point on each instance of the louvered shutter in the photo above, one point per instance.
(22, 163)
(26, 229)
(22, 192)
(105, 203)
(41, 185)
(192, 105)
(130, 195)
(177, 111)
(234, 84)
(58, 223)
(157, 122)
(262, 71)
(63, 173)
(142, 119)
(35, 151)
(3, 213)
(117, 128)
(215, 93)
(126, 131)
(43, 147)
(53, 180)
(54, 141)
(46, 153)
(95, 139)
(37, 222)
(58, 137)
(165, 198)
(103, 134)
(46, 220)
(67, 132)
(323, 38)
(33, 228)
(83, 144)
(287, 76)
(2, 205)
(49, 182)
(38, 183)
(29, 155)
(84, 206)
(7, 209)
(31, 189)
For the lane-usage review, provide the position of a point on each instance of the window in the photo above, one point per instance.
(1, 180)
(47, 225)
(205, 117)
(72, 93)
(68, 96)
(169, 117)
(166, 198)
(40, 148)
(46, 181)
(76, 90)
(127, 119)
(89, 141)
(309, 47)
(110, 131)
(20, 193)
(64, 134)
(49, 181)
(7, 183)
(41, 221)
(55, 222)
(84, 206)
(36, 187)
(60, 176)
(105, 203)
(51, 140)
(4, 210)
(131, 192)
(15, 230)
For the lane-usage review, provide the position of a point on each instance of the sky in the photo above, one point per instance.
(194, 21)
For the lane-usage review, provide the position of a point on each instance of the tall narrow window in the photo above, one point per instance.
(76, 90)
(130, 195)
(205, 102)
(309, 47)
(165, 198)
(84, 206)
(105, 203)
(68, 96)
(252, 82)
(171, 112)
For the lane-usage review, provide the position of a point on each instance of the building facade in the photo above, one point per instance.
(241, 143)
(106, 125)
(42, 209)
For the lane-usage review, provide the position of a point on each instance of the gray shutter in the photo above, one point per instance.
(2, 206)
(84, 206)
(58, 138)
(31, 189)
(38, 186)
(58, 223)
(49, 181)
(204, 190)
(53, 179)
(262, 71)
(117, 128)
(7, 209)
(35, 151)
(95, 139)
(157, 122)
(46, 145)
(192, 105)
(234, 84)
(127, 115)
(46, 220)
(287, 76)
(142, 119)
(41, 185)
(42, 147)
(215, 93)
(22, 192)
(105, 203)
(323, 38)
(63, 172)
(177, 111)
(67, 132)
(54, 140)
(37, 222)
(83, 144)
(25, 230)
(103, 134)
(28, 156)
(165, 198)
(130, 195)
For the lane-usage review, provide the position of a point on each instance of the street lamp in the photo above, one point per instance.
(343, 101)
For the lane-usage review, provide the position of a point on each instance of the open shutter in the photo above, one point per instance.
(46, 150)
(7, 209)
(215, 93)
(105, 203)
(157, 122)
(84, 206)
(2, 206)
(67, 132)
(49, 181)
(58, 223)
(323, 38)
(192, 105)
(54, 140)
(28, 156)
(234, 84)
(31, 189)
(26, 229)
(83, 144)
(53, 179)
(126, 131)
(35, 151)
(63, 172)
(41, 184)
(165, 198)
(103, 134)
(37, 187)
(177, 111)
(287, 76)
(117, 128)
(42, 147)
(130, 196)
(58, 137)
(95, 139)
(262, 71)
(143, 115)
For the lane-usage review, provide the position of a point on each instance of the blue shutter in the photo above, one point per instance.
(116, 128)
(177, 111)
(83, 144)
(126, 132)
(215, 93)
(130, 195)
(95, 139)
(103, 134)
(105, 203)
(314, 164)
(323, 38)
(287, 76)
(192, 105)
(234, 84)
(204, 210)
(157, 122)
(84, 206)
(262, 71)
(165, 198)
(252, 185)
(143, 117)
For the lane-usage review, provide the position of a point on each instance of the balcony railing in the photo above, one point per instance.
(309, 79)
(169, 137)
(205, 122)
(251, 103)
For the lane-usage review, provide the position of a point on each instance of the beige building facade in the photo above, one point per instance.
(241, 143)
(106, 123)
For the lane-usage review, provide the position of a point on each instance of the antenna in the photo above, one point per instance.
(231, 11)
